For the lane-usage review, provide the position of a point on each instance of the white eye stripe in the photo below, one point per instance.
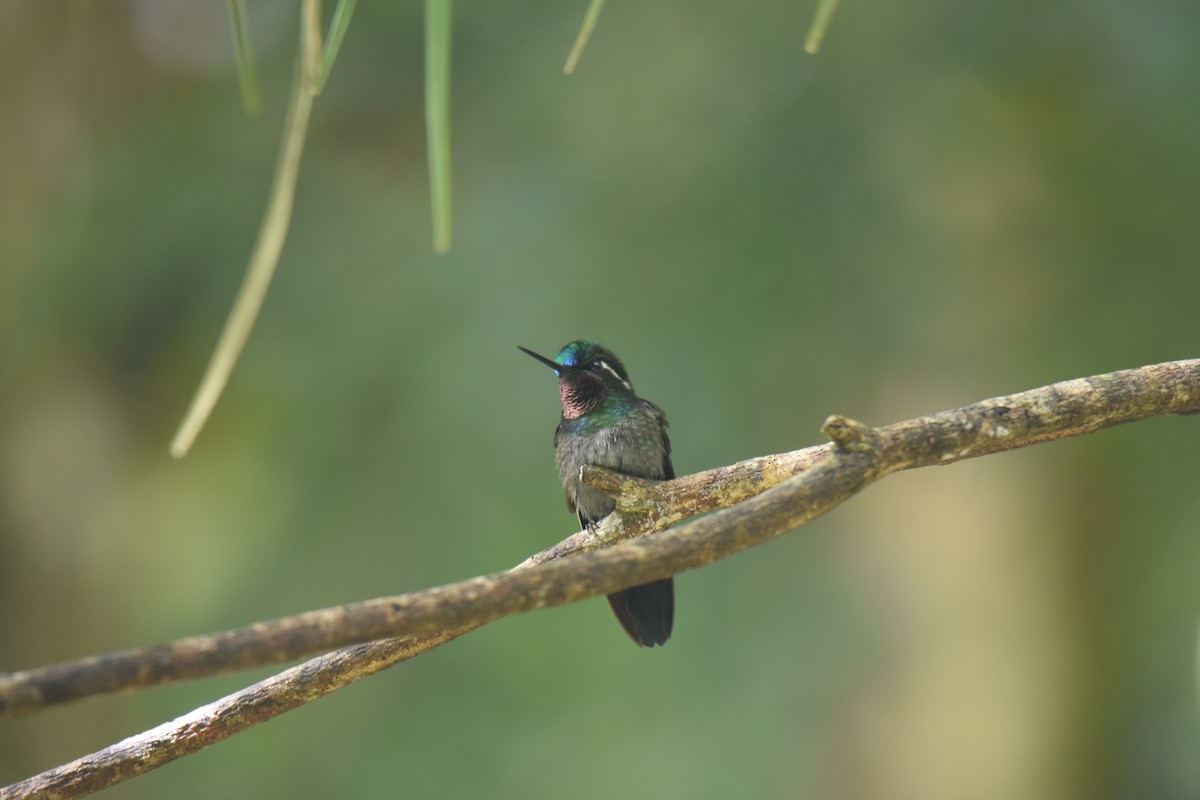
(613, 372)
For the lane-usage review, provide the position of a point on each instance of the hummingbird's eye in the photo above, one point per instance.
(597, 364)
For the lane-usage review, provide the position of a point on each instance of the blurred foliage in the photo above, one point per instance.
(950, 202)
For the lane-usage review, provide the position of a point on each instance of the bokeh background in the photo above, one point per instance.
(951, 202)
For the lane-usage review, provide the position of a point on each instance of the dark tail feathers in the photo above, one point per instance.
(646, 612)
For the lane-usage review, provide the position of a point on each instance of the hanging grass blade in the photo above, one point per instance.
(310, 44)
(816, 34)
(271, 236)
(337, 32)
(244, 51)
(585, 33)
(438, 29)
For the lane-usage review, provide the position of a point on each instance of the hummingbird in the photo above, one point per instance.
(605, 424)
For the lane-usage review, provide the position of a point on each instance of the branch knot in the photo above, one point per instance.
(852, 436)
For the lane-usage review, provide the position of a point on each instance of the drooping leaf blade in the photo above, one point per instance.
(244, 52)
(333, 44)
(585, 33)
(438, 30)
(271, 236)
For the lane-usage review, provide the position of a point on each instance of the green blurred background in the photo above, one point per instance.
(952, 201)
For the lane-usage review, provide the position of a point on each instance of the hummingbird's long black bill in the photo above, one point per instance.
(558, 368)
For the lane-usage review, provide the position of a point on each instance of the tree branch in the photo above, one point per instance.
(279, 640)
(762, 498)
(219, 720)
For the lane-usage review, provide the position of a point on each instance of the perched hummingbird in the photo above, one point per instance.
(605, 424)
